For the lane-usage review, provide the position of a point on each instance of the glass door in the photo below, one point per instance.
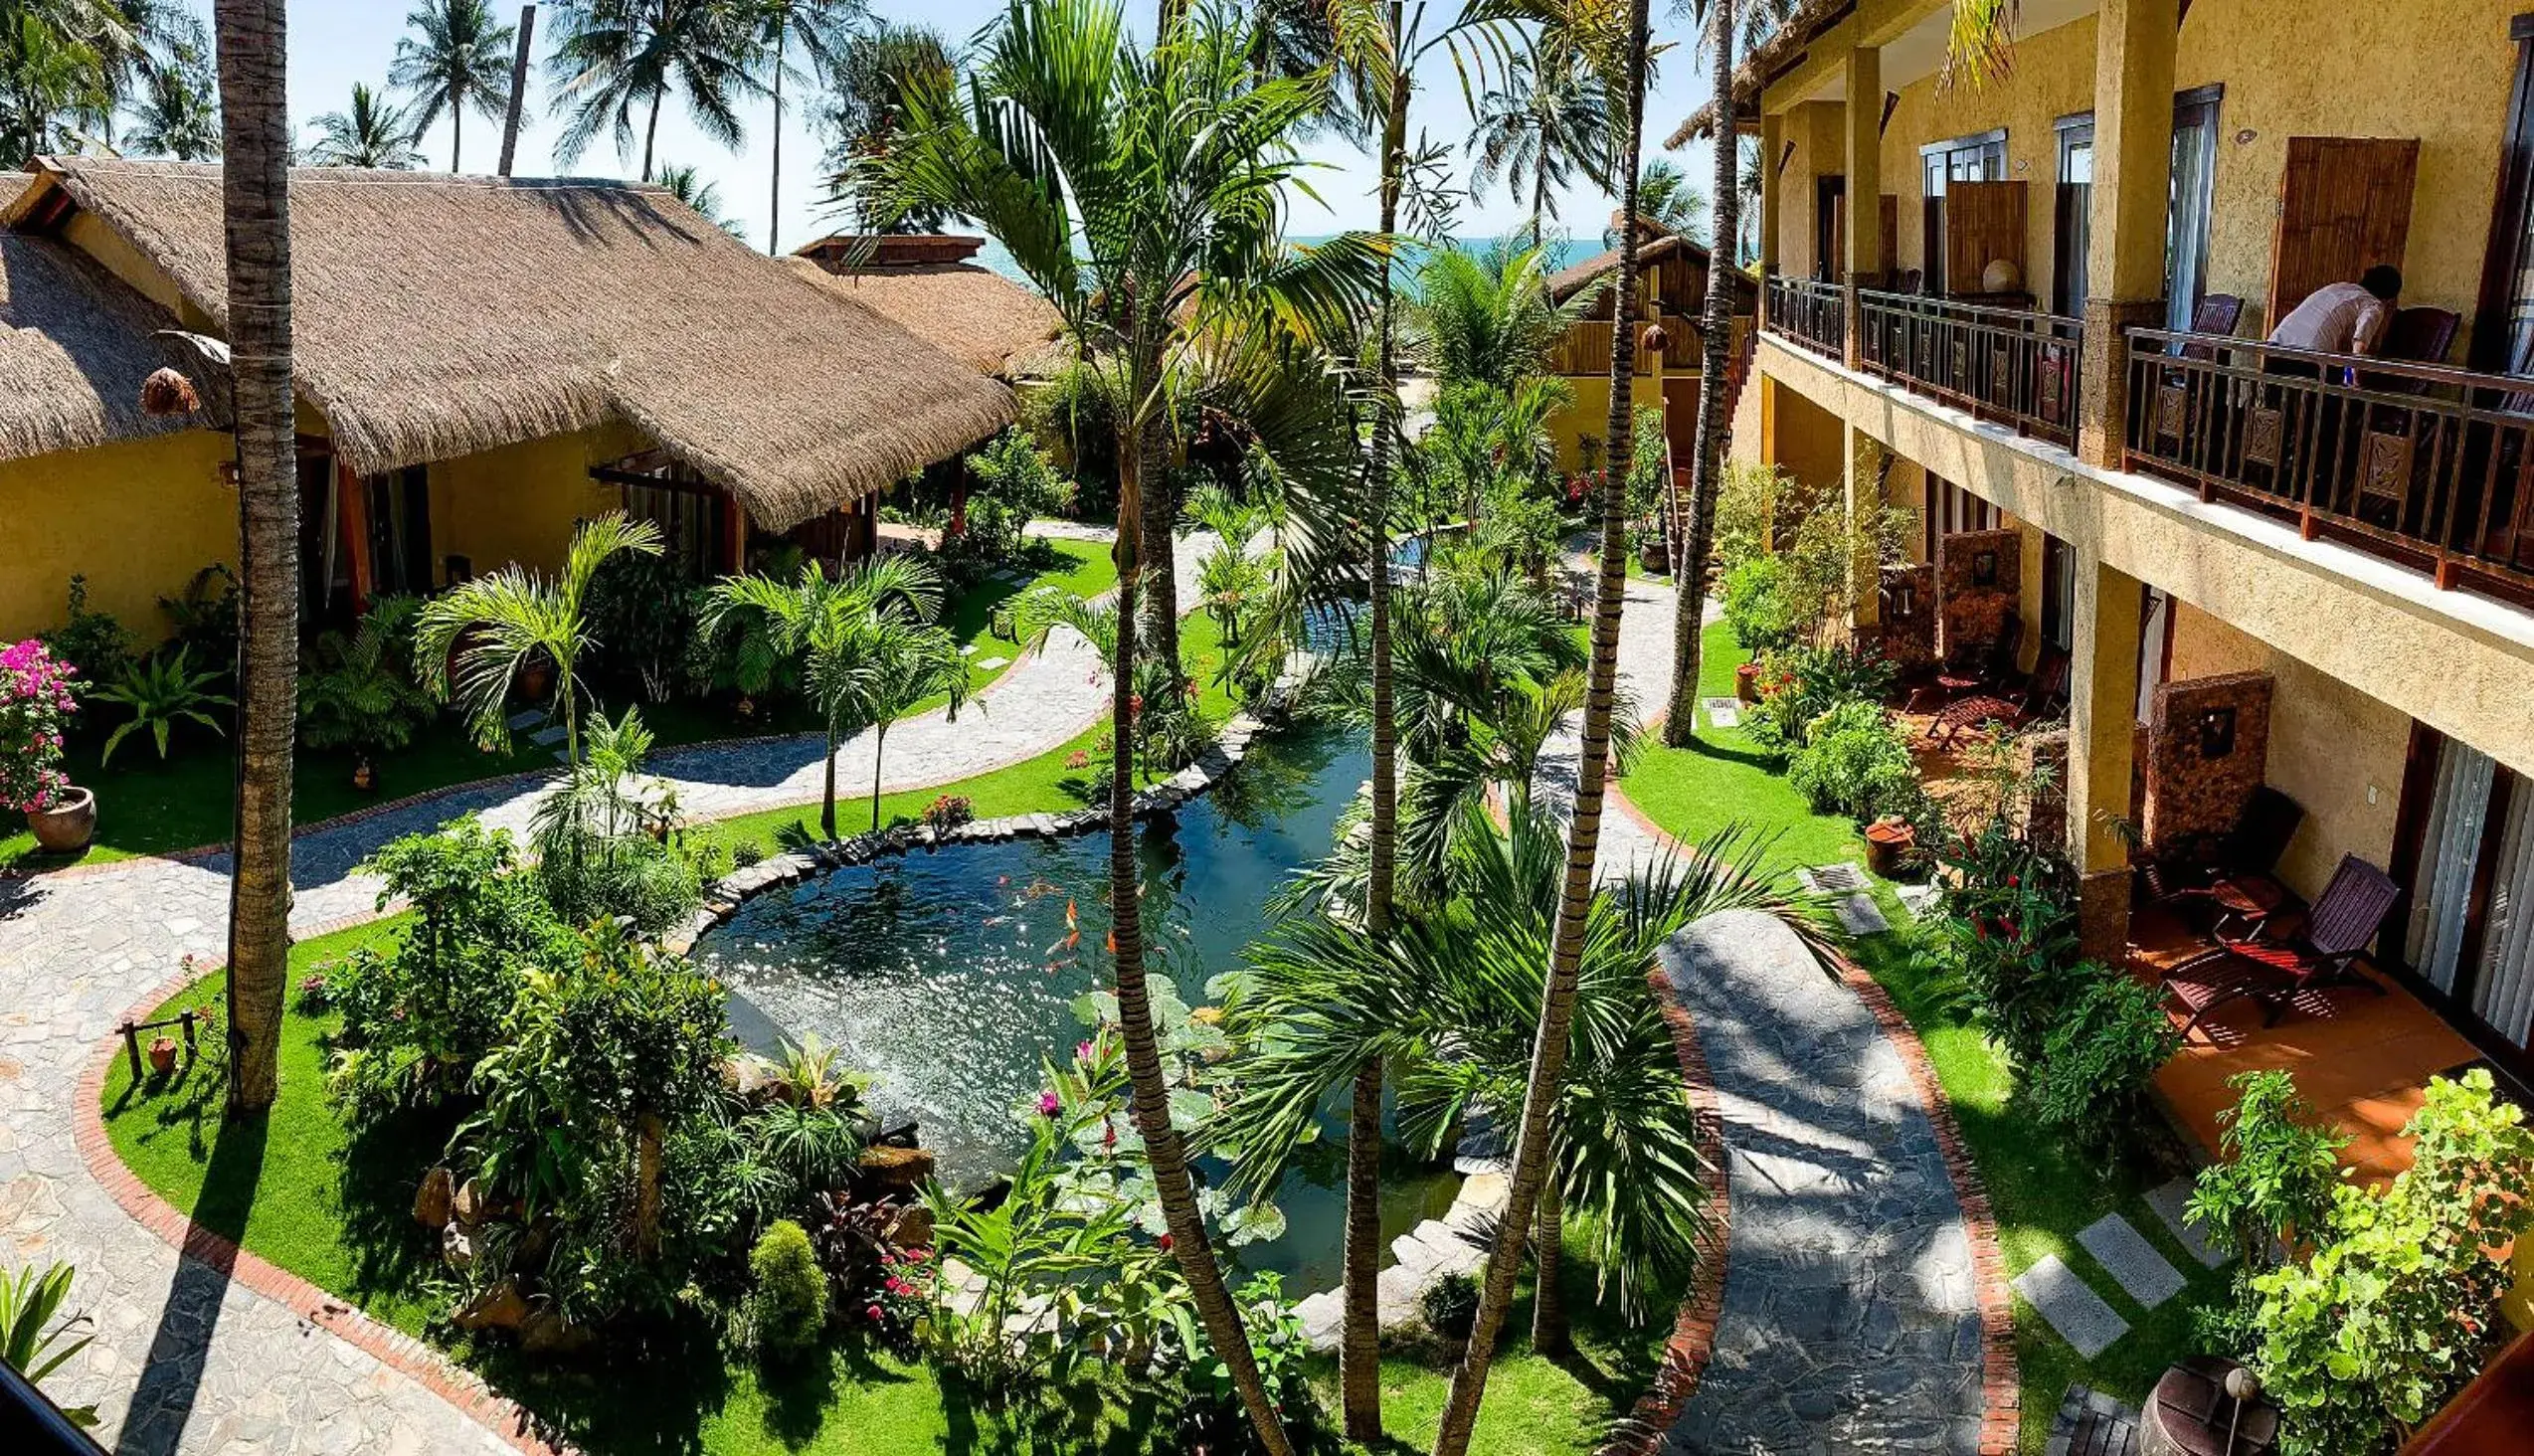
(2186, 243)
(2450, 849)
(2074, 229)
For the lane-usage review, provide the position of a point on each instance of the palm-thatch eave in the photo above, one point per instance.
(76, 347)
(1764, 64)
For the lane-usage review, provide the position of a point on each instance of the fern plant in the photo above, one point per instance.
(361, 692)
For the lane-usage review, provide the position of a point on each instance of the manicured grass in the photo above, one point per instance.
(2043, 1195)
(146, 806)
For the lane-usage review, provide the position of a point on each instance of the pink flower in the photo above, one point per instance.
(1048, 1105)
(1082, 1051)
(871, 1313)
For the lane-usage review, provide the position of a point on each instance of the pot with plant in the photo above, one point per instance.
(359, 690)
(1888, 842)
(162, 1053)
(36, 707)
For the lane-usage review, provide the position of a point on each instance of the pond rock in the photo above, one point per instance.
(912, 1228)
(501, 1306)
(545, 1332)
(432, 1201)
(897, 1170)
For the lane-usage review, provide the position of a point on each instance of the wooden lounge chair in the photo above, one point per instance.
(2241, 859)
(2275, 967)
(2043, 695)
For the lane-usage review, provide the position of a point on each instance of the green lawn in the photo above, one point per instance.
(2041, 1195)
(146, 806)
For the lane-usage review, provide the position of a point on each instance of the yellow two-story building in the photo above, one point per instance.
(2256, 566)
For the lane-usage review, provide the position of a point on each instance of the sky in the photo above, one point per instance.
(335, 43)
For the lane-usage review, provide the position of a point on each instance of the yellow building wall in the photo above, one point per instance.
(2054, 76)
(138, 518)
(1808, 442)
(1589, 418)
(1821, 150)
(2438, 70)
(520, 504)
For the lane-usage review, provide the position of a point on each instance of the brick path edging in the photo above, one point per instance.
(391, 1347)
(1685, 1356)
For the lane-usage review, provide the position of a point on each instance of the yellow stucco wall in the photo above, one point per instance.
(520, 502)
(1808, 440)
(138, 518)
(1816, 129)
(1589, 418)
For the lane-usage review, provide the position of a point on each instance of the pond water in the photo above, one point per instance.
(948, 975)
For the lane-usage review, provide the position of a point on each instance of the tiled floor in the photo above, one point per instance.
(2361, 1059)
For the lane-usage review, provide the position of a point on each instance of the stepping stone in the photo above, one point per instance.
(2131, 1261)
(2079, 1313)
(1920, 900)
(1860, 915)
(2169, 1201)
(526, 718)
(1723, 712)
(1839, 878)
(967, 650)
(988, 664)
(548, 736)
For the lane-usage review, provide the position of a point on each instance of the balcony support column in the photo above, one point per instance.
(1868, 461)
(1772, 203)
(2103, 725)
(2134, 170)
(1861, 266)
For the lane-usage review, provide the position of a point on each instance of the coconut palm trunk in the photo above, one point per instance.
(1359, 1336)
(1707, 469)
(827, 799)
(457, 137)
(773, 197)
(651, 133)
(1549, 1259)
(1583, 838)
(255, 211)
(1171, 1181)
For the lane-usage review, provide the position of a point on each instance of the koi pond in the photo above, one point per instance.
(948, 975)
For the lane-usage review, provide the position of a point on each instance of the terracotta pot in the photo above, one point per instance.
(1746, 682)
(1888, 842)
(162, 1053)
(1653, 557)
(66, 828)
(364, 777)
(536, 680)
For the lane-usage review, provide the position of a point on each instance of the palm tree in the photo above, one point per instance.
(1551, 120)
(614, 57)
(461, 63)
(1706, 468)
(1487, 316)
(1549, 1046)
(860, 116)
(826, 622)
(1667, 199)
(373, 132)
(256, 209)
(55, 93)
(177, 114)
(1131, 188)
(911, 664)
(501, 623)
(825, 31)
(689, 186)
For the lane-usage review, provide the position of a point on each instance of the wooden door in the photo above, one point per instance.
(1983, 222)
(1888, 262)
(2344, 206)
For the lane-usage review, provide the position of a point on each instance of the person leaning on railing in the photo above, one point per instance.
(2336, 318)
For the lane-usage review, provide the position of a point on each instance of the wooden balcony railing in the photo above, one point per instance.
(1998, 363)
(2430, 466)
(1812, 314)
(1584, 348)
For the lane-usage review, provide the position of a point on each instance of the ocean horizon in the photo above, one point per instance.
(1562, 251)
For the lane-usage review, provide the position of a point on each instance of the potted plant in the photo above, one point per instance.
(1888, 841)
(35, 705)
(162, 1053)
(1746, 681)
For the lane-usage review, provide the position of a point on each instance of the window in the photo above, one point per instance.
(2466, 856)
(2186, 243)
(2075, 215)
(2503, 329)
(1951, 510)
(2059, 595)
(1980, 158)
(400, 531)
(691, 515)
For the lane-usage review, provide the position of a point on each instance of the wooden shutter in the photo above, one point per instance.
(1983, 222)
(2344, 206)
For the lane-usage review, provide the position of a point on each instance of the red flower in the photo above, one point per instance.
(872, 1313)
(1979, 927)
(1164, 1242)
(2014, 881)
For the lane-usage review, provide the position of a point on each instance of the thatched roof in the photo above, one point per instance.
(1764, 63)
(969, 312)
(75, 346)
(437, 316)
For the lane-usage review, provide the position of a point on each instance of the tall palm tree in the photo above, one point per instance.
(690, 186)
(612, 59)
(1565, 952)
(824, 30)
(825, 622)
(1706, 468)
(1551, 120)
(1132, 188)
(461, 63)
(860, 115)
(255, 214)
(516, 617)
(1667, 198)
(372, 132)
(911, 663)
(177, 114)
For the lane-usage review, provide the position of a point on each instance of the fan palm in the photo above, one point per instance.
(459, 63)
(824, 30)
(612, 59)
(1145, 195)
(862, 113)
(829, 622)
(497, 625)
(372, 132)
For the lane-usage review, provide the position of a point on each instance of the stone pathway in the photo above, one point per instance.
(188, 1359)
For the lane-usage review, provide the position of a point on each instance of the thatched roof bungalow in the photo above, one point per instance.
(929, 284)
(480, 362)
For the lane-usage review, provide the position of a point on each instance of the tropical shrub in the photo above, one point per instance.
(162, 691)
(205, 617)
(2102, 1051)
(947, 811)
(38, 699)
(1802, 684)
(1756, 608)
(360, 689)
(32, 1342)
(603, 836)
(1020, 484)
(1855, 762)
(788, 1295)
(1449, 1305)
(642, 614)
(1210, 1414)
(1746, 511)
(2272, 1186)
(2397, 1306)
(872, 1283)
(97, 645)
(2012, 937)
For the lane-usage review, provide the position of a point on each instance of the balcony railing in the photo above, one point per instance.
(1584, 348)
(2426, 465)
(1998, 363)
(1812, 314)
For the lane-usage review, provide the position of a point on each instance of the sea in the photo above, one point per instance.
(1562, 251)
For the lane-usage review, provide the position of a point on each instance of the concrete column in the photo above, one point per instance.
(1772, 201)
(1864, 462)
(2103, 720)
(1860, 268)
(2133, 178)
